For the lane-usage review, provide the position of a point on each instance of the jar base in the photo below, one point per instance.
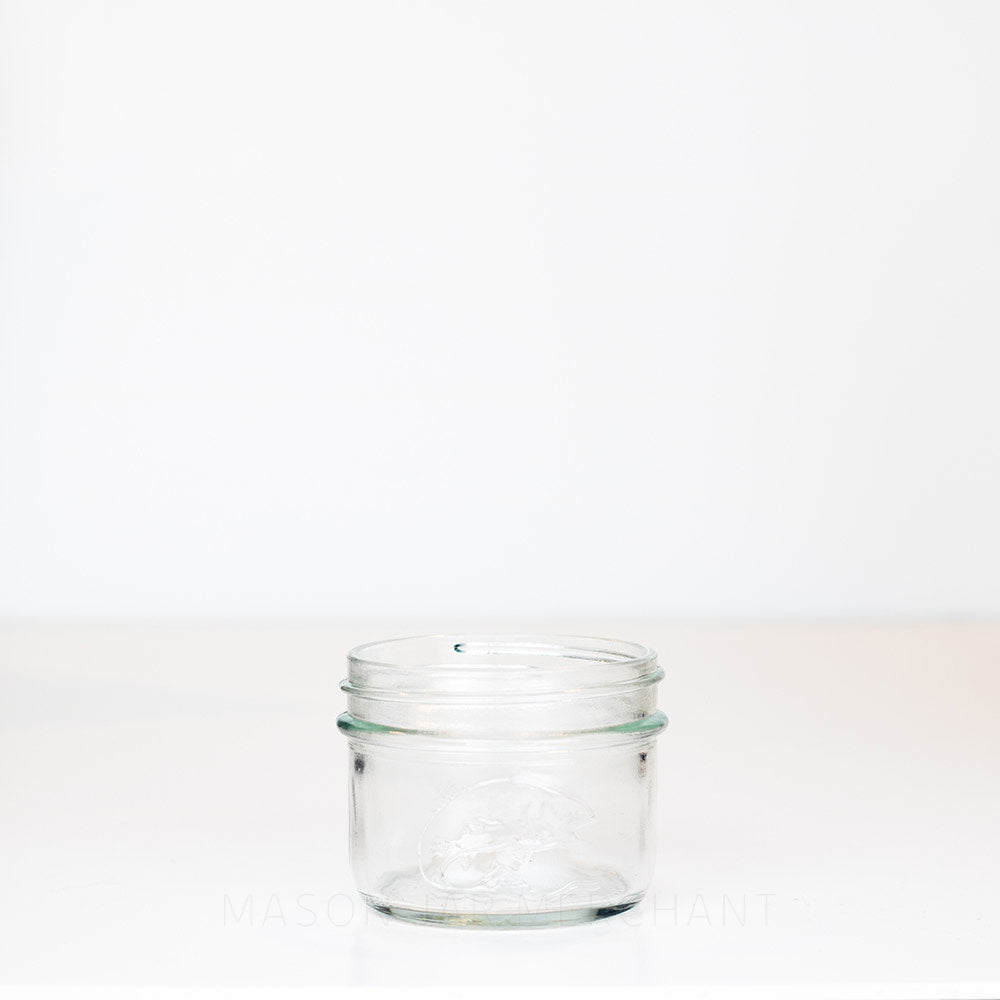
(510, 921)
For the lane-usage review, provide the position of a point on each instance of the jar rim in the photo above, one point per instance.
(621, 649)
(476, 664)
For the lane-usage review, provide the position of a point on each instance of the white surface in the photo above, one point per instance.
(849, 772)
(512, 308)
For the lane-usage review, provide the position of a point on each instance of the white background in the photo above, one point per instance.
(319, 310)
(326, 322)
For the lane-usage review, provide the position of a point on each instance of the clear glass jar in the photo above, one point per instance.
(502, 780)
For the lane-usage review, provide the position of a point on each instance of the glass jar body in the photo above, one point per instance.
(503, 837)
(502, 781)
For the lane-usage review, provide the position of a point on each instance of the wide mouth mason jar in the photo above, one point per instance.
(500, 780)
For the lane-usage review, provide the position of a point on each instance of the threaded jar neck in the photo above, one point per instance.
(499, 686)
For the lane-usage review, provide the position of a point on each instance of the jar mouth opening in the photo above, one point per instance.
(481, 665)
(427, 650)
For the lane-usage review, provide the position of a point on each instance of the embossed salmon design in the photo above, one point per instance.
(506, 833)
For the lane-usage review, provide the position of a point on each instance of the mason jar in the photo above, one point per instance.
(500, 780)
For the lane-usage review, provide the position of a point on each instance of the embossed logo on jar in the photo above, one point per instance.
(506, 833)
